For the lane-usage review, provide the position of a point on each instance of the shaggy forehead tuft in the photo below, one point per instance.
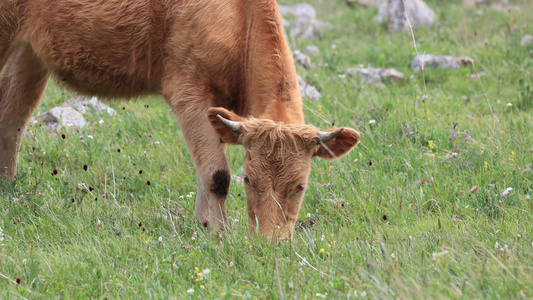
(273, 135)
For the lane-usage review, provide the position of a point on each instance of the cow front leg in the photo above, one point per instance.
(209, 156)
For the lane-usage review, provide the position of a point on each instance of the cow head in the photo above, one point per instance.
(277, 164)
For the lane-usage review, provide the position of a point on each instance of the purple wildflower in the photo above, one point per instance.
(467, 135)
(456, 147)
(117, 233)
(409, 131)
(452, 136)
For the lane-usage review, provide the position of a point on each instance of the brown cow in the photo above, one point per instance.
(201, 55)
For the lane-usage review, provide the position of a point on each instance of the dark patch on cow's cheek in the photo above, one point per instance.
(221, 181)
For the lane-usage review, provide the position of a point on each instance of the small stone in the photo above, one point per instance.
(308, 90)
(312, 49)
(301, 59)
(526, 40)
(86, 105)
(59, 117)
(439, 61)
(375, 75)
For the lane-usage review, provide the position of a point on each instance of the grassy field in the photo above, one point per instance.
(422, 208)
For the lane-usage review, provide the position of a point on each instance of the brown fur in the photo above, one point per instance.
(196, 53)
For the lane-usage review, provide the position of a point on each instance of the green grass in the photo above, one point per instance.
(439, 239)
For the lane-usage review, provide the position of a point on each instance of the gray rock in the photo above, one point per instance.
(472, 2)
(393, 12)
(301, 59)
(305, 17)
(375, 75)
(58, 117)
(308, 90)
(305, 23)
(527, 40)
(369, 3)
(312, 49)
(86, 105)
(440, 61)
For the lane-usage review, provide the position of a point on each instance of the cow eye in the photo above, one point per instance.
(299, 188)
(246, 180)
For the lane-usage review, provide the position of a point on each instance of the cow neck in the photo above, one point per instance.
(271, 84)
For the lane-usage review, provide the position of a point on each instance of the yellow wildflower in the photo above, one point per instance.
(329, 245)
(430, 144)
(199, 279)
(321, 250)
(502, 132)
(202, 286)
(486, 166)
(196, 270)
(327, 253)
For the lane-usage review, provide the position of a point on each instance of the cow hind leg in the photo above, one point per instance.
(208, 153)
(23, 80)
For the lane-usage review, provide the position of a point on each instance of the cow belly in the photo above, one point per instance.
(100, 46)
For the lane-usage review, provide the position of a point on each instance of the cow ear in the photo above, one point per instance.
(227, 124)
(339, 145)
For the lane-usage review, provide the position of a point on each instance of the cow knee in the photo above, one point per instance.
(220, 183)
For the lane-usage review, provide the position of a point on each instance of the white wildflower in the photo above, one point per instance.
(363, 294)
(230, 264)
(101, 121)
(435, 255)
(497, 246)
(190, 291)
(157, 143)
(372, 122)
(160, 239)
(308, 214)
(205, 272)
(506, 192)
(509, 104)
(1, 235)
(98, 223)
